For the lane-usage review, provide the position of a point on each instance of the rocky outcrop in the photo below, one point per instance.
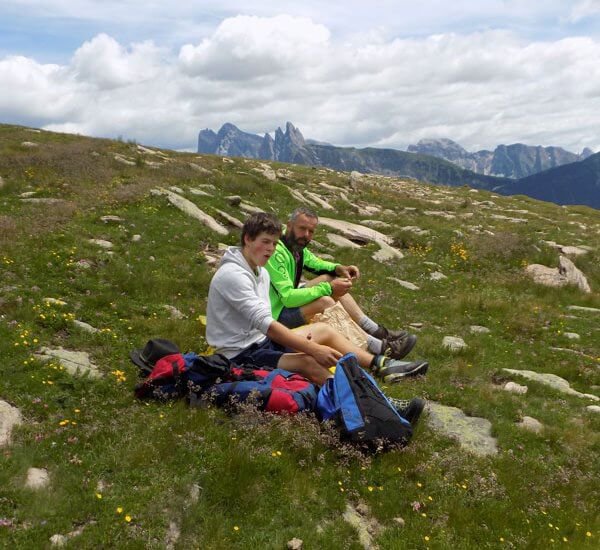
(566, 273)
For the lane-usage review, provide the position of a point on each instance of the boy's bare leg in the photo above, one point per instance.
(305, 365)
(326, 335)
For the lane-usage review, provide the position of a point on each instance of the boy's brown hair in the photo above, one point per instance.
(259, 223)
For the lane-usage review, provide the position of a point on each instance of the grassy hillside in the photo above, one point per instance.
(128, 474)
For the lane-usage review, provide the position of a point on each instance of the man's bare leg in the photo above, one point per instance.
(347, 301)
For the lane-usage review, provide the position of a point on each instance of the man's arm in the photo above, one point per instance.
(283, 283)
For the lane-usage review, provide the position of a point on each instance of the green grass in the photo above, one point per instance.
(252, 480)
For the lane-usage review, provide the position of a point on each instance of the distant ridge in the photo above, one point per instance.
(578, 183)
(511, 161)
(290, 146)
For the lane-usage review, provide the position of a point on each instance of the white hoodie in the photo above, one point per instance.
(238, 313)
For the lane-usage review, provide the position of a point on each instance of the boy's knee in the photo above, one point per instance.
(324, 302)
(322, 329)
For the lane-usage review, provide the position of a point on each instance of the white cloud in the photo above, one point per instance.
(104, 63)
(250, 47)
(480, 89)
(584, 9)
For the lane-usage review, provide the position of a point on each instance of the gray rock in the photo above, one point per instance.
(437, 276)
(366, 527)
(58, 540)
(74, 362)
(101, 243)
(199, 192)
(582, 308)
(84, 264)
(531, 424)
(123, 160)
(250, 208)
(572, 336)
(566, 273)
(174, 313)
(189, 208)
(37, 478)
(513, 387)
(173, 534)
(453, 343)
(85, 326)
(593, 408)
(386, 253)
(295, 544)
(416, 230)
(375, 223)
(472, 433)
(112, 219)
(29, 144)
(27, 194)
(405, 284)
(476, 329)
(552, 381)
(342, 242)
(321, 202)
(573, 250)
(234, 200)
(355, 231)
(440, 214)
(230, 219)
(9, 418)
(54, 301)
(199, 168)
(176, 189)
(136, 238)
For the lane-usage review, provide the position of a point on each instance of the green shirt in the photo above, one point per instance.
(282, 270)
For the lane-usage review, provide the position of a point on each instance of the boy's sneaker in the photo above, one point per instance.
(392, 370)
(383, 333)
(399, 348)
(411, 410)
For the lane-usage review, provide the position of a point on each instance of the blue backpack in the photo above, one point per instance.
(359, 408)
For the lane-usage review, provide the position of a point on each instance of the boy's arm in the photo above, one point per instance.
(324, 355)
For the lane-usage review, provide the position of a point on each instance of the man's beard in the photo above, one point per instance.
(297, 244)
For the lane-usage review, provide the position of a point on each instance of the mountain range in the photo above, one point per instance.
(577, 182)
(511, 161)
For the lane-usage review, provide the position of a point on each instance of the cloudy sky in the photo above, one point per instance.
(353, 73)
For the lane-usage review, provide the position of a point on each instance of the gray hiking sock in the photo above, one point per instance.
(374, 345)
(368, 325)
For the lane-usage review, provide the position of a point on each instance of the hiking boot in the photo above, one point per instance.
(392, 370)
(410, 410)
(399, 348)
(383, 333)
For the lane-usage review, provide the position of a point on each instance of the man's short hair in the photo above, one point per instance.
(303, 210)
(259, 223)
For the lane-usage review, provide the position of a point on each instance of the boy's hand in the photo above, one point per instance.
(326, 357)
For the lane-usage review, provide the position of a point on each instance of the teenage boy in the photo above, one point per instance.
(294, 305)
(240, 325)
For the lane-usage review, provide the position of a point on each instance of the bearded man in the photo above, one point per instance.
(294, 303)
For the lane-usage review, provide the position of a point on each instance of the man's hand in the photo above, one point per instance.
(326, 357)
(348, 271)
(339, 287)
